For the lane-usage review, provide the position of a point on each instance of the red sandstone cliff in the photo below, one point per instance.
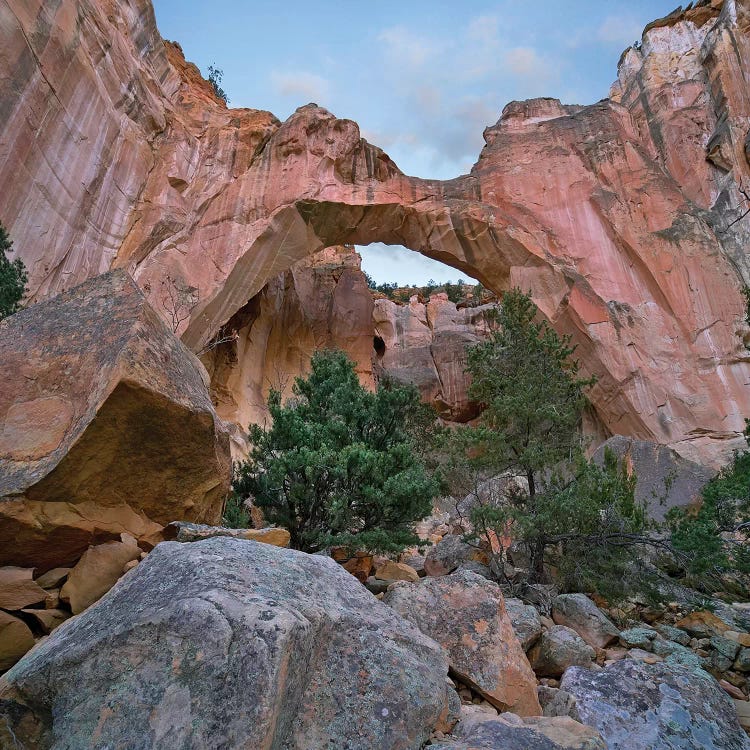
(623, 217)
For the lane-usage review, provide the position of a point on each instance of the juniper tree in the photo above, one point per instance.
(13, 278)
(341, 465)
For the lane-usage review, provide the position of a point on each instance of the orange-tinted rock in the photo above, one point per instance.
(465, 614)
(702, 624)
(18, 590)
(622, 218)
(15, 639)
(192, 532)
(425, 344)
(135, 441)
(396, 571)
(96, 572)
(52, 578)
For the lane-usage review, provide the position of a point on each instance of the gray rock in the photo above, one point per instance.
(557, 649)
(638, 638)
(724, 652)
(672, 633)
(445, 556)
(577, 611)
(638, 706)
(743, 661)
(664, 478)
(509, 732)
(556, 702)
(526, 622)
(227, 643)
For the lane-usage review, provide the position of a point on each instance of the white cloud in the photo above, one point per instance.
(526, 62)
(405, 47)
(301, 84)
(619, 30)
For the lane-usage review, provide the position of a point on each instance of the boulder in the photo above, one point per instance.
(395, 571)
(577, 611)
(702, 624)
(179, 531)
(447, 555)
(526, 622)
(557, 649)
(96, 572)
(106, 426)
(638, 706)
(15, 639)
(231, 643)
(509, 732)
(465, 614)
(638, 638)
(18, 590)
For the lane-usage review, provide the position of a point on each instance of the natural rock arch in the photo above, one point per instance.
(622, 218)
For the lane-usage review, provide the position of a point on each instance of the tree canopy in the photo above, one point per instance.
(13, 278)
(341, 465)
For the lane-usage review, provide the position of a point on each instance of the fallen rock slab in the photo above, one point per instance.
(638, 706)
(231, 643)
(47, 619)
(53, 579)
(180, 531)
(526, 622)
(577, 611)
(96, 572)
(18, 589)
(465, 613)
(101, 404)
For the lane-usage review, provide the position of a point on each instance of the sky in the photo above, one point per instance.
(422, 78)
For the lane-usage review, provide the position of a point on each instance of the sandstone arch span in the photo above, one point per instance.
(621, 217)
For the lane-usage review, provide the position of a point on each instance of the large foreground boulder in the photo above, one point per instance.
(227, 643)
(639, 706)
(465, 613)
(106, 426)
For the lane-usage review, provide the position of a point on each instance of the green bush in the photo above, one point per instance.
(341, 465)
(713, 538)
(13, 278)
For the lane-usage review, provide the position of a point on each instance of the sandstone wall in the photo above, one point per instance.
(623, 218)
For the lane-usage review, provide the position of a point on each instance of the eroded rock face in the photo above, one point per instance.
(425, 344)
(638, 706)
(106, 426)
(621, 217)
(231, 643)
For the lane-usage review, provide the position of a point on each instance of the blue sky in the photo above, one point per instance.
(422, 78)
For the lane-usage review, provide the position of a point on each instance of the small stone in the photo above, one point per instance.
(645, 656)
(53, 599)
(395, 571)
(742, 663)
(53, 579)
(673, 634)
(129, 566)
(578, 612)
(559, 648)
(742, 638)
(637, 638)
(731, 690)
